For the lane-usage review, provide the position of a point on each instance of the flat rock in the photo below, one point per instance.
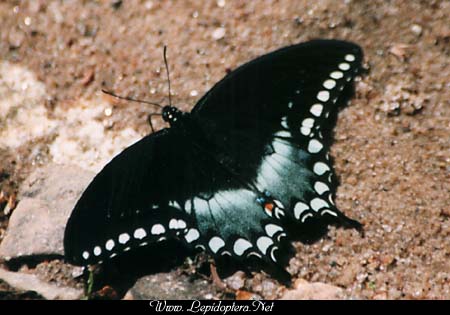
(170, 286)
(28, 282)
(47, 197)
(304, 290)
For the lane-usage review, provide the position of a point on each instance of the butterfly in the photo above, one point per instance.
(240, 176)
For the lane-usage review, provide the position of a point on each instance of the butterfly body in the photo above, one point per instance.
(238, 176)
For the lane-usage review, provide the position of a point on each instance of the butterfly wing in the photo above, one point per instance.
(132, 202)
(166, 186)
(249, 161)
(272, 119)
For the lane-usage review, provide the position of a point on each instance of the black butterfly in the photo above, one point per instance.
(240, 175)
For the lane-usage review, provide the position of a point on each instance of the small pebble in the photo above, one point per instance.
(219, 33)
(149, 5)
(417, 29)
(108, 111)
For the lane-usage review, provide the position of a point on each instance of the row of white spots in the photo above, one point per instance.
(316, 204)
(140, 234)
(241, 245)
(323, 96)
(315, 146)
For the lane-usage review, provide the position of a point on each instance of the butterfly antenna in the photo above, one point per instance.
(131, 99)
(168, 76)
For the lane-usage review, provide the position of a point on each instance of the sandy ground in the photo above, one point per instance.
(392, 145)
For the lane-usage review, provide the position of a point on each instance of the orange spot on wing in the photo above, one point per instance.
(269, 207)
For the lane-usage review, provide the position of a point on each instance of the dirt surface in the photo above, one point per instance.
(392, 143)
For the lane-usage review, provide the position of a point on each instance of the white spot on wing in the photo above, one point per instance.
(329, 212)
(314, 146)
(320, 168)
(139, 233)
(344, 66)
(323, 96)
(263, 243)
(350, 57)
(123, 238)
(329, 84)
(278, 204)
(85, 255)
(306, 216)
(272, 229)
(299, 208)
(316, 109)
(330, 199)
(158, 229)
(240, 246)
(216, 243)
(109, 245)
(283, 133)
(272, 253)
(320, 187)
(97, 250)
(308, 122)
(175, 204)
(181, 224)
(284, 122)
(337, 75)
(305, 130)
(318, 203)
(192, 235)
(254, 254)
(173, 224)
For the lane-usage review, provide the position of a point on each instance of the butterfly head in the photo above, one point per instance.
(171, 114)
